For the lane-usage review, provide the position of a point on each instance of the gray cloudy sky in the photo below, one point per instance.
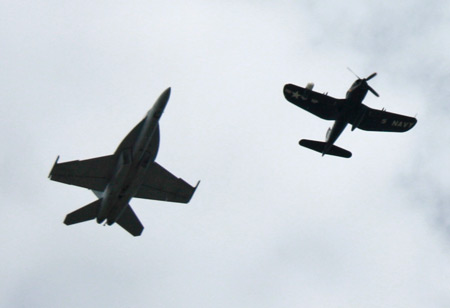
(272, 224)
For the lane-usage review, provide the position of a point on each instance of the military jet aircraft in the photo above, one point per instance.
(130, 172)
(350, 110)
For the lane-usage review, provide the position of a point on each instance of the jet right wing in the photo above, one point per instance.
(321, 105)
(92, 173)
(160, 184)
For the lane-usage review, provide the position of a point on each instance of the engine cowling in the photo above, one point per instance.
(310, 86)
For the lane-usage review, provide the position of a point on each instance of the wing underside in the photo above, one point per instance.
(160, 184)
(92, 173)
(380, 120)
(321, 105)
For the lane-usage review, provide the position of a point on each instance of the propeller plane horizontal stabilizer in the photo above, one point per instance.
(320, 147)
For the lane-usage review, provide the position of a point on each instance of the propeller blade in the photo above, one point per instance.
(373, 91)
(371, 76)
(353, 72)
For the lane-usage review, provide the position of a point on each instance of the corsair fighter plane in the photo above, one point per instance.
(350, 110)
(130, 172)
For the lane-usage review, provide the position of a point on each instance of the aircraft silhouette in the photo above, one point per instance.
(350, 110)
(130, 172)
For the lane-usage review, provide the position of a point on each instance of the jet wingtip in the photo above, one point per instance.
(54, 164)
(193, 192)
(195, 188)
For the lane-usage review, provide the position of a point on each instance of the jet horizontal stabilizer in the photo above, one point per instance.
(83, 214)
(129, 221)
(319, 146)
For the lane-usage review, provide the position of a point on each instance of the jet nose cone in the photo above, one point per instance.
(161, 103)
(166, 92)
(164, 97)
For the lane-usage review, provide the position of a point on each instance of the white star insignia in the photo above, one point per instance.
(296, 95)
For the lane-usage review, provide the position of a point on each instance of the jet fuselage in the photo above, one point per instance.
(132, 165)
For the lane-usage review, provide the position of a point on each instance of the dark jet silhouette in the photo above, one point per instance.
(130, 172)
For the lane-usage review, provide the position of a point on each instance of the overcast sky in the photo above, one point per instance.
(272, 224)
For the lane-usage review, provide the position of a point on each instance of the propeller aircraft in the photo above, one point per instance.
(349, 110)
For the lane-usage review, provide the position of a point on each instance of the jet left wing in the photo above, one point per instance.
(160, 184)
(321, 105)
(380, 120)
(92, 173)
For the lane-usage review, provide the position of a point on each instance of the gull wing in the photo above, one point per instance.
(321, 105)
(383, 121)
(160, 184)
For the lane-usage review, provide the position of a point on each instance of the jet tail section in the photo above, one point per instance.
(319, 146)
(85, 213)
(129, 221)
